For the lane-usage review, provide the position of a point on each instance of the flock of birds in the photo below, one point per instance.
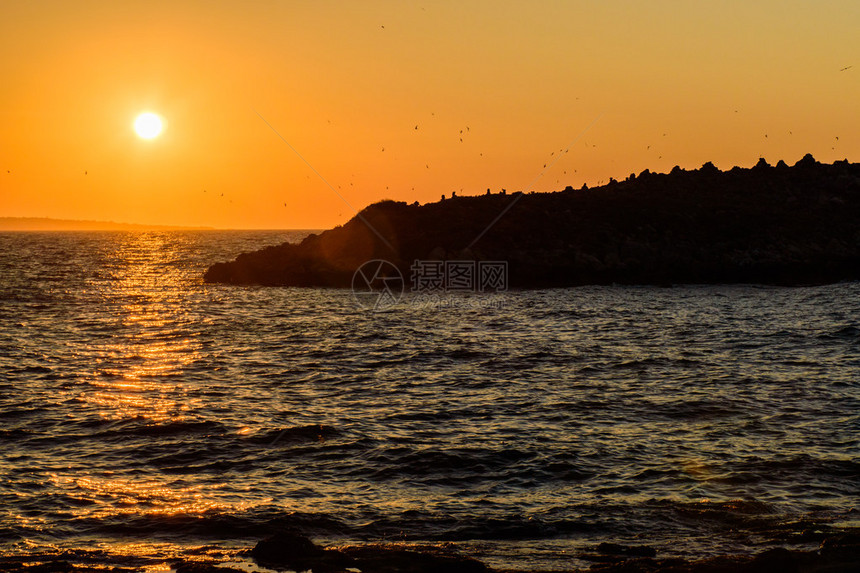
(466, 130)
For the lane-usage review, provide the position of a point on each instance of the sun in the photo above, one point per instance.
(148, 125)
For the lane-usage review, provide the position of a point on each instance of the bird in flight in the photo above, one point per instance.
(846, 68)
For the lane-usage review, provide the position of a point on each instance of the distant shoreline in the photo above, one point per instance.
(48, 224)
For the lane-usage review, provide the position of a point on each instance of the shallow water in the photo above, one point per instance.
(144, 412)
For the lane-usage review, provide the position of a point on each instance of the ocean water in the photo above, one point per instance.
(145, 414)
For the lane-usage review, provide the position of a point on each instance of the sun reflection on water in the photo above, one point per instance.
(147, 341)
(152, 337)
(104, 497)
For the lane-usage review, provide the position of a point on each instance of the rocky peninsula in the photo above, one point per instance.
(769, 224)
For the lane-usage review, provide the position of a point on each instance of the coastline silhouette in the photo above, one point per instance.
(766, 224)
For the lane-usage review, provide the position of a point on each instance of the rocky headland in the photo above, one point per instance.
(769, 224)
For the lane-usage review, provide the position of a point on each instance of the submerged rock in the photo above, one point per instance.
(628, 550)
(409, 559)
(288, 549)
(839, 554)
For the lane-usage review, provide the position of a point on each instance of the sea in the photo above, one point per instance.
(146, 415)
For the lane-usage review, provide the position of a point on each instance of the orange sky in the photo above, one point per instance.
(341, 81)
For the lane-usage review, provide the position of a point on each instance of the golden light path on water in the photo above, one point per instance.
(151, 338)
(139, 374)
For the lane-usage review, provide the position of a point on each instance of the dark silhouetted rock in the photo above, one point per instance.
(407, 559)
(295, 551)
(774, 225)
(844, 557)
(298, 552)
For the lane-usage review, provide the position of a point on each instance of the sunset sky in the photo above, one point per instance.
(653, 84)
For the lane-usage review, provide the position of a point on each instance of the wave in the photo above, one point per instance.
(848, 333)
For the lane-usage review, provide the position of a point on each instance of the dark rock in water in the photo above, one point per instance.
(776, 225)
(195, 567)
(405, 559)
(47, 567)
(283, 547)
(312, 432)
(630, 550)
(298, 552)
(840, 554)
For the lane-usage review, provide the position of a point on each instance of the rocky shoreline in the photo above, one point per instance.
(787, 225)
(291, 551)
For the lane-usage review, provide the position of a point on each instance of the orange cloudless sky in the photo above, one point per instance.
(293, 114)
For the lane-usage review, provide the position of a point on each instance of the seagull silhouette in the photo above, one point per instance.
(846, 68)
